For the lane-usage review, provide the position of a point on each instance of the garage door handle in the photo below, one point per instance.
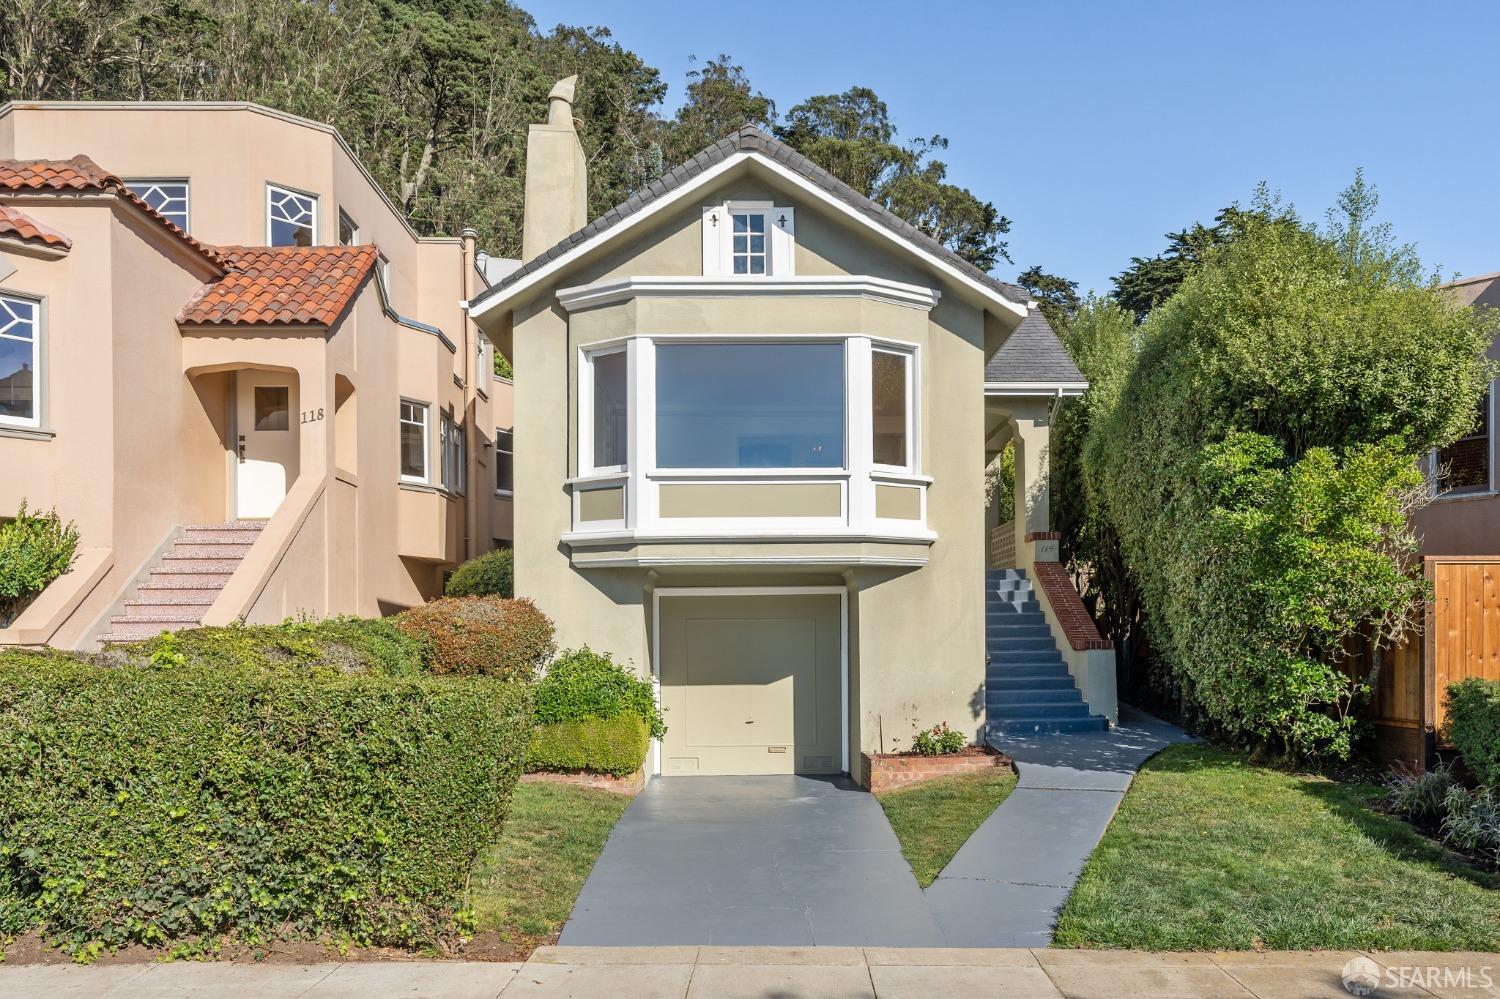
(750, 722)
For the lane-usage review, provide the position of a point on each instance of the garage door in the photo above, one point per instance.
(751, 684)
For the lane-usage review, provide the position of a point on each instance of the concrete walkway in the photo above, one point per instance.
(1004, 886)
(791, 861)
(786, 973)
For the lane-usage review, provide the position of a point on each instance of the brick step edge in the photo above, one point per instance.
(631, 785)
(887, 772)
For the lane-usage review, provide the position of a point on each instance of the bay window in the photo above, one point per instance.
(413, 436)
(606, 385)
(451, 443)
(750, 405)
(890, 408)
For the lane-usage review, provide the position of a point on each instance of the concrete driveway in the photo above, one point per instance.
(776, 861)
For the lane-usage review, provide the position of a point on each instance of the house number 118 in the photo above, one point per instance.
(312, 415)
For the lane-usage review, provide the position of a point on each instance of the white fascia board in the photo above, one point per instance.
(623, 289)
(1043, 389)
(678, 194)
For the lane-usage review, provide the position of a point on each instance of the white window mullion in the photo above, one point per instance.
(861, 500)
(641, 500)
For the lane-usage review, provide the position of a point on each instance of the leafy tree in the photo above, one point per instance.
(1259, 463)
(1149, 281)
(1056, 296)
(719, 100)
(851, 135)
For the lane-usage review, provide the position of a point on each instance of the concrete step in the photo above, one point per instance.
(189, 578)
(1004, 712)
(1030, 697)
(995, 732)
(134, 629)
(1019, 644)
(211, 549)
(1025, 660)
(1059, 680)
(232, 525)
(138, 610)
(1017, 629)
(172, 562)
(153, 593)
(1007, 611)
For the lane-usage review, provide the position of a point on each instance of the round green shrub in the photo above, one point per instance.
(489, 575)
(481, 636)
(35, 548)
(182, 804)
(583, 684)
(615, 746)
(1474, 727)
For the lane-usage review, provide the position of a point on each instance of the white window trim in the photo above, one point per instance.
(718, 240)
(506, 493)
(343, 217)
(913, 409)
(452, 439)
(187, 193)
(1433, 460)
(39, 366)
(426, 410)
(585, 415)
(317, 208)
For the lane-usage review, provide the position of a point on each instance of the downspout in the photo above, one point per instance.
(468, 239)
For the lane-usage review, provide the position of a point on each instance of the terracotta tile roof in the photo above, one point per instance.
(282, 285)
(82, 174)
(16, 224)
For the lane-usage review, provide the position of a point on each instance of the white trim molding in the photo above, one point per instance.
(754, 591)
(612, 292)
(507, 295)
(1041, 389)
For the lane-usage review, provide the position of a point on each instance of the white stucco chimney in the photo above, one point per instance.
(556, 176)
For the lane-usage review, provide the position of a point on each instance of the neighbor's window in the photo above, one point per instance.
(890, 398)
(272, 407)
(505, 461)
(749, 251)
(750, 405)
(451, 439)
(1464, 465)
(20, 357)
(348, 229)
(168, 197)
(413, 441)
(292, 217)
(610, 420)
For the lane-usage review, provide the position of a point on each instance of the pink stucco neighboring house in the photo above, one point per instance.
(229, 359)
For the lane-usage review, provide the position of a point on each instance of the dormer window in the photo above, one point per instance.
(749, 239)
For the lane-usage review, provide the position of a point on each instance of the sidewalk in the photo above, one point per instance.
(786, 973)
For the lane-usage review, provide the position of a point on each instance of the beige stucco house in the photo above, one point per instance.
(226, 356)
(756, 411)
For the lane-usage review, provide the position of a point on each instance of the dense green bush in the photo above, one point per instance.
(940, 740)
(1259, 464)
(583, 684)
(599, 745)
(1472, 822)
(1474, 727)
(486, 636)
(35, 548)
(177, 803)
(346, 644)
(1417, 795)
(489, 575)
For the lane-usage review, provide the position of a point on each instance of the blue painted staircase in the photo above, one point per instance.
(1027, 687)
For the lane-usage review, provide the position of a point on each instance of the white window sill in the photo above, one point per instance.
(879, 474)
(597, 478)
(748, 474)
(1459, 497)
(505, 493)
(27, 433)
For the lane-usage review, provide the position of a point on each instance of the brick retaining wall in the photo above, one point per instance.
(885, 772)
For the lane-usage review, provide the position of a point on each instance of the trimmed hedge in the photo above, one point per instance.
(35, 548)
(583, 684)
(509, 639)
(490, 575)
(199, 797)
(600, 745)
(346, 644)
(1474, 727)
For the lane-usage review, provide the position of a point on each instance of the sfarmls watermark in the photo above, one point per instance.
(1362, 976)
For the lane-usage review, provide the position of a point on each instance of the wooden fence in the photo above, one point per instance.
(1460, 637)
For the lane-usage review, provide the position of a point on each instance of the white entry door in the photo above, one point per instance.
(266, 425)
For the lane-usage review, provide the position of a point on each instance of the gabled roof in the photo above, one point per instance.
(82, 175)
(16, 224)
(281, 286)
(1033, 355)
(750, 139)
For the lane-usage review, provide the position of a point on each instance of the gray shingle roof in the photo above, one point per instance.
(1033, 353)
(752, 139)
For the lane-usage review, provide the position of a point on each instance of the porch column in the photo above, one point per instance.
(1033, 478)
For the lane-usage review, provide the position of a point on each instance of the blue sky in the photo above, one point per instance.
(1099, 126)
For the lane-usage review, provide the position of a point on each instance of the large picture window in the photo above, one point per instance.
(1464, 465)
(20, 356)
(750, 405)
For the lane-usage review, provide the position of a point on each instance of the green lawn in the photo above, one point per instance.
(1210, 851)
(933, 819)
(525, 885)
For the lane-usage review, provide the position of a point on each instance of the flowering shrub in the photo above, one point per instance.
(940, 740)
